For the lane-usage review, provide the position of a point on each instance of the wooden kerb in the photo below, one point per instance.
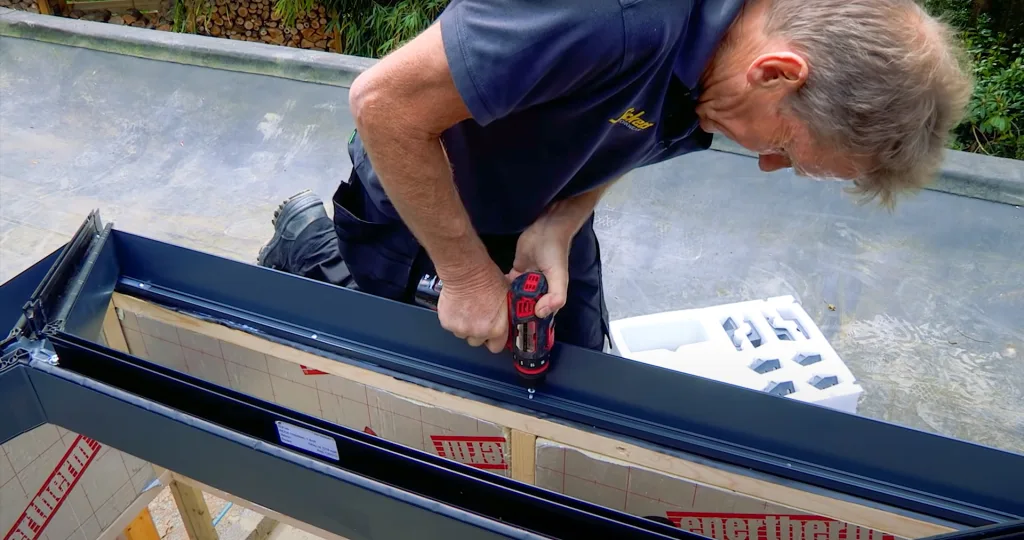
(264, 529)
(194, 512)
(524, 456)
(530, 427)
(277, 516)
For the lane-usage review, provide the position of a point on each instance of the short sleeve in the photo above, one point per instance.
(509, 55)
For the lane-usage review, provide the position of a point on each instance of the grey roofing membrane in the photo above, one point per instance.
(929, 301)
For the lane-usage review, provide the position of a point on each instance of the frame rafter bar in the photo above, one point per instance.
(356, 494)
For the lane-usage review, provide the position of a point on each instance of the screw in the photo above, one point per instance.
(49, 358)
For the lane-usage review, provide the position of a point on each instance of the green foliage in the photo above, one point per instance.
(370, 28)
(995, 117)
(994, 123)
(958, 13)
(179, 15)
(383, 29)
(291, 9)
(188, 15)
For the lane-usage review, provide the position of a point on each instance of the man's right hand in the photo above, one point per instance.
(475, 308)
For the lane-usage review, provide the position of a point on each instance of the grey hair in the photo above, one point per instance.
(887, 83)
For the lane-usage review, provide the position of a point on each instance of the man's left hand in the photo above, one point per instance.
(544, 248)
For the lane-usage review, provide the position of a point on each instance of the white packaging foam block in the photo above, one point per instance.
(770, 345)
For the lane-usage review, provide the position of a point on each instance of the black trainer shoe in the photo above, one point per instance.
(292, 222)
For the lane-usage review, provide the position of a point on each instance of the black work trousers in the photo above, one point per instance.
(383, 258)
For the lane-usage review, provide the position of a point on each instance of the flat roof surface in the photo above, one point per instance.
(929, 301)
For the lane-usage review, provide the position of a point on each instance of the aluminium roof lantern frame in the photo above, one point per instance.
(52, 372)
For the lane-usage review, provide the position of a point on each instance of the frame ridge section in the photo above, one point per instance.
(675, 410)
(42, 313)
(45, 311)
(20, 410)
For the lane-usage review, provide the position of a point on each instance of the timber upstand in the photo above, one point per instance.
(62, 365)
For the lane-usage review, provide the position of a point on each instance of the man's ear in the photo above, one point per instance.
(778, 70)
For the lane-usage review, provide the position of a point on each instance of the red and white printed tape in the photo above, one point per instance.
(733, 526)
(55, 490)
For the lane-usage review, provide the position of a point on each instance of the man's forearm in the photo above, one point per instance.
(415, 174)
(401, 107)
(567, 216)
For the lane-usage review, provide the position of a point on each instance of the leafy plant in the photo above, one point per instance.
(189, 15)
(995, 117)
(959, 13)
(385, 28)
(289, 10)
(994, 123)
(368, 27)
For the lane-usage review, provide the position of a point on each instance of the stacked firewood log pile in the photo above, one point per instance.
(246, 20)
(131, 17)
(21, 5)
(256, 20)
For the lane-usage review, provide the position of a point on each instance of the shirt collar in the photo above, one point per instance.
(709, 23)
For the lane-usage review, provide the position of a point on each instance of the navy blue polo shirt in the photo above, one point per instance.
(567, 95)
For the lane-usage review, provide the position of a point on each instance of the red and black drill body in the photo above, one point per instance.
(530, 338)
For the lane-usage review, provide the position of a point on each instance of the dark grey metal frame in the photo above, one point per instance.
(372, 489)
(948, 480)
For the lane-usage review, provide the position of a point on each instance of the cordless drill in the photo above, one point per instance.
(530, 338)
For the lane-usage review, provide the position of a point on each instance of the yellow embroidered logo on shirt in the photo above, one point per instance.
(632, 120)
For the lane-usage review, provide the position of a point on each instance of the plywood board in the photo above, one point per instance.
(142, 527)
(346, 402)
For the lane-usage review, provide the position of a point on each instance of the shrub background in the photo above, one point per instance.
(993, 33)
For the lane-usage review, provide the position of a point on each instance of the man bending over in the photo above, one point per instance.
(483, 145)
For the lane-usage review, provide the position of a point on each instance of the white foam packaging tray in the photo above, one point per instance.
(771, 345)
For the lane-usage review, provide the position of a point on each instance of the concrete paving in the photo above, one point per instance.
(928, 301)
